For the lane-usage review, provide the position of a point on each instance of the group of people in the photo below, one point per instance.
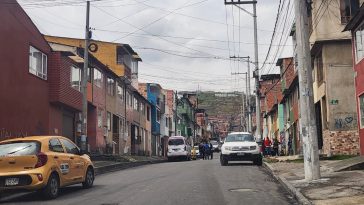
(270, 148)
(206, 150)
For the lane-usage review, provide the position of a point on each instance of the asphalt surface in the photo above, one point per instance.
(177, 183)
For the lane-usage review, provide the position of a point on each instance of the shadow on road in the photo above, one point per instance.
(240, 164)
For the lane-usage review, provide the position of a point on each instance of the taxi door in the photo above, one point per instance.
(76, 162)
(57, 153)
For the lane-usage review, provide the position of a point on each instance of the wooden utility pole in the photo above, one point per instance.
(84, 82)
(307, 109)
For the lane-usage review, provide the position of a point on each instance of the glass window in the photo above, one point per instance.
(361, 104)
(98, 78)
(70, 147)
(37, 63)
(120, 92)
(110, 86)
(76, 78)
(55, 146)
(135, 104)
(108, 121)
(148, 113)
(239, 138)
(347, 9)
(158, 115)
(19, 148)
(320, 68)
(99, 118)
(176, 142)
(359, 43)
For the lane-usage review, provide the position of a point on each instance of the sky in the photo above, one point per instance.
(184, 44)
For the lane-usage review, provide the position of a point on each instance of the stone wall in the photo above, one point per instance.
(341, 142)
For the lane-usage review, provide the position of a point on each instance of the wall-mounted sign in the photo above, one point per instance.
(93, 47)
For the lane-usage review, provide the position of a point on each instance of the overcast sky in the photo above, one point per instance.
(183, 43)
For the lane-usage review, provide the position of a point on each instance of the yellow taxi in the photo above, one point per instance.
(43, 163)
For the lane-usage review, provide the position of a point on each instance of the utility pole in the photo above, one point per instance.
(256, 71)
(84, 82)
(175, 113)
(249, 124)
(245, 101)
(308, 118)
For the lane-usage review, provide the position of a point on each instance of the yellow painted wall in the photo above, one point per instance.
(106, 52)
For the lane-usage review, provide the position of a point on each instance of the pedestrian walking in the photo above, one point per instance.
(275, 146)
(202, 150)
(207, 150)
(267, 145)
(211, 151)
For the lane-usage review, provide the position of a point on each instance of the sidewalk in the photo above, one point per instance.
(344, 187)
(109, 163)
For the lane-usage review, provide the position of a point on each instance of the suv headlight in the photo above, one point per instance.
(228, 148)
(253, 147)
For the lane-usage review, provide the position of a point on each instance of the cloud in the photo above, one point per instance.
(184, 27)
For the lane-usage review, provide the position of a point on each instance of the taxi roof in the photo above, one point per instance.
(31, 138)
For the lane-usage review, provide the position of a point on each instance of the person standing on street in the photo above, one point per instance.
(275, 146)
(201, 148)
(211, 150)
(267, 145)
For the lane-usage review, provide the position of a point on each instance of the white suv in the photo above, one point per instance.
(240, 146)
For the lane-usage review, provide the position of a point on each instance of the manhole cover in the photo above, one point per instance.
(242, 190)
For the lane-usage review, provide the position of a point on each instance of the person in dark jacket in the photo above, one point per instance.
(275, 146)
(211, 151)
(207, 150)
(202, 150)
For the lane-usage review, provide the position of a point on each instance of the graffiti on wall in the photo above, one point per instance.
(345, 122)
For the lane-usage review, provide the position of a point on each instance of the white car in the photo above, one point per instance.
(240, 146)
(178, 148)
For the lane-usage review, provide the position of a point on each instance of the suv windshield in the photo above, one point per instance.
(19, 148)
(176, 142)
(239, 138)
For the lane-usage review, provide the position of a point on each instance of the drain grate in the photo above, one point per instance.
(242, 190)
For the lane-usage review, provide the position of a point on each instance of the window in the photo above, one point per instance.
(142, 108)
(135, 104)
(158, 116)
(167, 121)
(70, 147)
(320, 68)
(347, 9)
(361, 104)
(108, 121)
(359, 43)
(37, 63)
(134, 67)
(55, 146)
(19, 148)
(76, 78)
(130, 100)
(98, 78)
(148, 113)
(120, 92)
(110, 86)
(99, 118)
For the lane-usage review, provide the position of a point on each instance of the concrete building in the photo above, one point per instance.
(333, 81)
(357, 30)
(290, 139)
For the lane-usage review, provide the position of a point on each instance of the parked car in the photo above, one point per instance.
(43, 163)
(240, 146)
(178, 148)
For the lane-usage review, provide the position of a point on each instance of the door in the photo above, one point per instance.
(68, 125)
(76, 163)
(133, 141)
(57, 153)
(319, 124)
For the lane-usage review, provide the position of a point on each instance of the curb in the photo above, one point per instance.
(291, 189)
(124, 165)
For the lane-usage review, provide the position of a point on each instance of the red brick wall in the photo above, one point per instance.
(60, 82)
(359, 85)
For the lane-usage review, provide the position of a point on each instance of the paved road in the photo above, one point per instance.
(186, 183)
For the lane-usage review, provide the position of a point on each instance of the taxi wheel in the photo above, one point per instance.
(89, 179)
(52, 188)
